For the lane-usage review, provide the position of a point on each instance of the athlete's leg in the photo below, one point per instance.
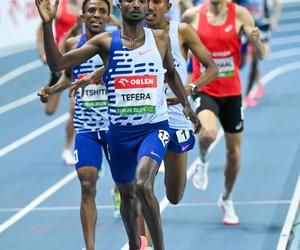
(70, 127)
(53, 101)
(145, 175)
(130, 212)
(232, 165)
(67, 154)
(208, 131)
(88, 212)
(51, 105)
(175, 175)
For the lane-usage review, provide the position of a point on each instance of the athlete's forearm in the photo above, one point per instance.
(177, 87)
(260, 48)
(63, 83)
(97, 75)
(52, 53)
(210, 73)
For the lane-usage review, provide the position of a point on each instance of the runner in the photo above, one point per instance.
(90, 116)
(135, 58)
(219, 24)
(265, 21)
(65, 20)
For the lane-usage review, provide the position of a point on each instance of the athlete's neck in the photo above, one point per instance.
(132, 31)
(163, 25)
(216, 9)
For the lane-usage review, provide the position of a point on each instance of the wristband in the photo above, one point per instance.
(194, 88)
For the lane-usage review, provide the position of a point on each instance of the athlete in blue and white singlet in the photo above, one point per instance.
(182, 138)
(90, 116)
(138, 131)
(137, 105)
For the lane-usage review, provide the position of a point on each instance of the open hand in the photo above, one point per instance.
(46, 10)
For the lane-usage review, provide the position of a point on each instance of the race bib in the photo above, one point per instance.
(225, 65)
(136, 94)
(94, 96)
(182, 135)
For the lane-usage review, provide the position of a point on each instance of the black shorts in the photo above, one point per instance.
(228, 109)
(54, 77)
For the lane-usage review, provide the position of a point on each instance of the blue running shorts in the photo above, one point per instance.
(88, 149)
(127, 144)
(181, 141)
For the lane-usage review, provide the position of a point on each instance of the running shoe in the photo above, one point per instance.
(230, 217)
(68, 157)
(259, 91)
(117, 203)
(250, 102)
(200, 176)
(143, 241)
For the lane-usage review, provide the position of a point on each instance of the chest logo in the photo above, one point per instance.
(228, 28)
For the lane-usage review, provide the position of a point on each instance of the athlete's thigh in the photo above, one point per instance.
(123, 156)
(207, 112)
(231, 114)
(154, 145)
(175, 168)
(87, 150)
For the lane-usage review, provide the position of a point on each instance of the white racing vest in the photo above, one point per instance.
(177, 119)
(134, 80)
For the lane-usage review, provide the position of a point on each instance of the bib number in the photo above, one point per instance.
(182, 135)
(164, 136)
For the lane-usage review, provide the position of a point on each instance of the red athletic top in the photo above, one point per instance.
(64, 22)
(224, 45)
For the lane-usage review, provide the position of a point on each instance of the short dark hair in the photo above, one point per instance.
(84, 3)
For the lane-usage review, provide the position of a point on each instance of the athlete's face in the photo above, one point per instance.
(133, 10)
(156, 12)
(96, 16)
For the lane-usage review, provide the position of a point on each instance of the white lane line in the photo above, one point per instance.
(283, 54)
(34, 134)
(296, 2)
(183, 204)
(7, 51)
(20, 102)
(285, 40)
(288, 27)
(19, 71)
(289, 15)
(16, 217)
(290, 218)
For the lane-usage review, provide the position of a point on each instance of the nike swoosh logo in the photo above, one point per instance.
(141, 53)
(154, 154)
(183, 148)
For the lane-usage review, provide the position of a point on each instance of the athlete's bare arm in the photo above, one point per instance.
(65, 80)
(97, 45)
(246, 23)
(192, 41)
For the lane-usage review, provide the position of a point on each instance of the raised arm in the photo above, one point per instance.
(55, 59)
(252, 32)
(192, 41)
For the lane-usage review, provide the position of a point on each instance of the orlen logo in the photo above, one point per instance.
(128, 82)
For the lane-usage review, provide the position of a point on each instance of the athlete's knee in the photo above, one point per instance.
(174, 197)
(49, 111)
(207, 136)
(144, 189)
(233, 157)
(88, 189)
